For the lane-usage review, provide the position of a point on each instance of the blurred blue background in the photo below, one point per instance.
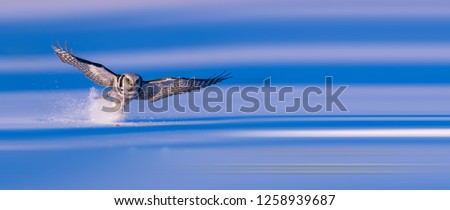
(394, 55)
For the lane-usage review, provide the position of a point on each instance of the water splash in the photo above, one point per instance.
(95, 113)
(84, 111)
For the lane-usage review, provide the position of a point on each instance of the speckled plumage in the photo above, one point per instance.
(131, 86)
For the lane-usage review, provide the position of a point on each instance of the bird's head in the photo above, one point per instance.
(131, 80)
(130, 83)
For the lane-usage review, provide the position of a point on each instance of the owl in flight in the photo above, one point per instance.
(129, 86)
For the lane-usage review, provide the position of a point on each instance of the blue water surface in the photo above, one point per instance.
(205, 151)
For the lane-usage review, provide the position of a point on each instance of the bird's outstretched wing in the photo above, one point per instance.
(154, 90)
(94, 71)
